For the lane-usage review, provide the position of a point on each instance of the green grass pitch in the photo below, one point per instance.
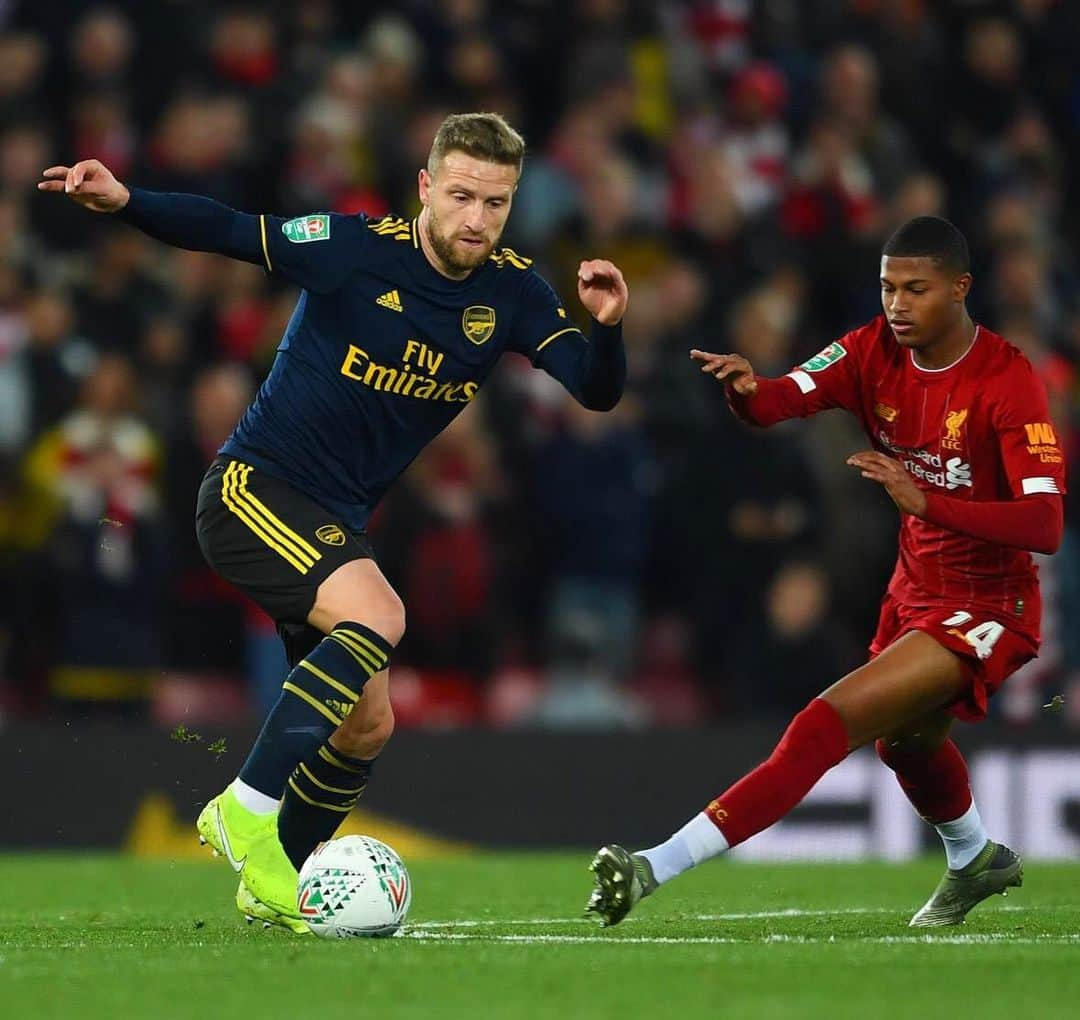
(501, 935)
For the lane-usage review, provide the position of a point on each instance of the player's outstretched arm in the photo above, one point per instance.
(752, 398)
(732, 369)
(185, 221)
(90, 183)
(593, 371)
(1034, 522)
(829, 379)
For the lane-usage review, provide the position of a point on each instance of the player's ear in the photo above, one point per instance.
(962, 286)
(423, 185)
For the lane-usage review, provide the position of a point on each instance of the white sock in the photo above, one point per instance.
(256, 802)
(697, 841)
(964, 838)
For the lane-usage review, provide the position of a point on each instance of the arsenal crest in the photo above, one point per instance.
(478, 322)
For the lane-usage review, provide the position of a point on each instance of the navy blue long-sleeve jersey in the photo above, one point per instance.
(382, 351)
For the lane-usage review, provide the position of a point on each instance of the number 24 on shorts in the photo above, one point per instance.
(982, 637)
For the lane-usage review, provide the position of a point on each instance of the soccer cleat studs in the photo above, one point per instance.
(618, 885)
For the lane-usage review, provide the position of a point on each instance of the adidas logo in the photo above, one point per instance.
(392, 300)
(341, 708)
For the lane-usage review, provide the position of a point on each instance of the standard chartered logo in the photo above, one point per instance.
(957, 473)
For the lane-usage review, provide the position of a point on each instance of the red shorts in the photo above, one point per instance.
(990, 649)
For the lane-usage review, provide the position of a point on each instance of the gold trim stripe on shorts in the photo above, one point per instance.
(264, 523)
(304, 545)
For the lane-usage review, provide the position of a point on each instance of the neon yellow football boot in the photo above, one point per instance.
(254, 909)
(249, 842)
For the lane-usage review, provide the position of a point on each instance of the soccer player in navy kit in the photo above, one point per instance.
(398, 325)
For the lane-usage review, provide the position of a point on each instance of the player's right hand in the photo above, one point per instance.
(732, 369)
(90, 183)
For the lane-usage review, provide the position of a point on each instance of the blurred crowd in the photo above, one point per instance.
(741, 161)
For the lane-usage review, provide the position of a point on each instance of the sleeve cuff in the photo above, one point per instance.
(134, 206)
(605, 334)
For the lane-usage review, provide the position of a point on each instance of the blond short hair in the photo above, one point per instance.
(485, 136)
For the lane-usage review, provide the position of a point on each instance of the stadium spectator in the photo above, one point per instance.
(99, 467)
(745, 161)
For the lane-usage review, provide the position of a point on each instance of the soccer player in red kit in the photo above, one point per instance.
(963, 444)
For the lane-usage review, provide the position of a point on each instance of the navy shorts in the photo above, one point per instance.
(273, 543)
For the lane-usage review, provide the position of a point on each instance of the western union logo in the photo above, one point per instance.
(1041, 433)
(392, 300)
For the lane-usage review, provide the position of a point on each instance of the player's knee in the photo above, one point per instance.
(384, 614)
(920, 739)
(390, 618)
(899, 752)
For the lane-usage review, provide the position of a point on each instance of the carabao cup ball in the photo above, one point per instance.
(354, 887)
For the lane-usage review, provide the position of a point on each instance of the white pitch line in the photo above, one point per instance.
(760, 915)
(988, 938)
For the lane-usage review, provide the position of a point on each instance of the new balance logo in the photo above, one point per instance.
(392, 300)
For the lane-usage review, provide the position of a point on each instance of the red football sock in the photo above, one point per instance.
(936, 784)
(815, 741)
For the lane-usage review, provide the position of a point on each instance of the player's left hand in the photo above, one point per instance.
(602, 290)
(900, 486)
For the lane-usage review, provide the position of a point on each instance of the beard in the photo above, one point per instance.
(452, 258)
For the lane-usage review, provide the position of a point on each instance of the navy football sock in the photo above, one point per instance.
(319, 794)
(316, 697)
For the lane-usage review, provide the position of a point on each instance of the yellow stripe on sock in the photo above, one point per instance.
(317, 803)
(364, 664)
(330, 789)
(363, 644)
(317, 705)
(375, 658)
(329, 756)
(304, 547)
(326, 678)
(228, 497)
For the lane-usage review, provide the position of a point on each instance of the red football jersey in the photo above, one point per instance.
(977, 430)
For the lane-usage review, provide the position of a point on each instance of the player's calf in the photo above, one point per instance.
(316, 698)
(323, 789)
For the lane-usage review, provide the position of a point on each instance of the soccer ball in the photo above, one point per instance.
(354, 887)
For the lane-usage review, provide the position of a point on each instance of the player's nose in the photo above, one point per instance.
(474, 220)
